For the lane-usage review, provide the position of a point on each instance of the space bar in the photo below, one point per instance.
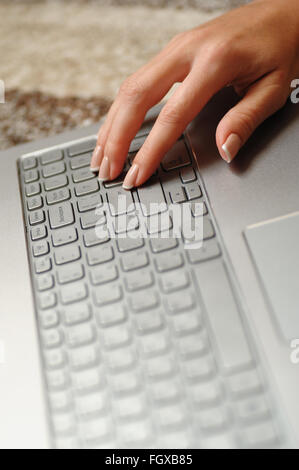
(223, 315)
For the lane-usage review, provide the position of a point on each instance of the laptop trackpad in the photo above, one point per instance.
(274, 246)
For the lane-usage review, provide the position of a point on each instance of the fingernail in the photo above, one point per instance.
(130, 179)
(95, 158)
(104, 172)
(231, 147)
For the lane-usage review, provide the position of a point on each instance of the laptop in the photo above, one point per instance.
(146, 340)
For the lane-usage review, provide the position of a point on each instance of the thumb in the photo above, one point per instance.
(261, 100)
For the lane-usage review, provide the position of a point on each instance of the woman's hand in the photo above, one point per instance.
(255, 48)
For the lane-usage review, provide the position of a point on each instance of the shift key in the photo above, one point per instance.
(61, 215)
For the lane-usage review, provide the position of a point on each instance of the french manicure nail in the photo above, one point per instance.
(231, 147)
(94, 158)
(104, 172)
(131, 177)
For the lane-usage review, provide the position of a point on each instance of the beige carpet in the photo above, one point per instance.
(75, 53)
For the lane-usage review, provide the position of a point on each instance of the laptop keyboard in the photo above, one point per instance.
(143, 342)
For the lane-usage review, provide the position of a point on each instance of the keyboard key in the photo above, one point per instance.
(90, 238)
(83, 174)
(198, 209)
(187, 174)
(130, 407)
(44, 282)
(176, 302)
(260, 435)
(58, 195)
(54, 358)
(163, 244)
(60, 401)
(92, 404)
(36, 217)
(87, 381)
(193, 191)
(139, 280)
(195, 344)
(40, 248)
(57, 380)
(38, 232)
(49, 319)
(86, 146)
(125, 383)
(210, 249)
(223, 315)
(76, 314)
(67, 254)
(116, 336)
(145, 300)
(42, 265)
(119, 360)
(61, 214)
(29, 163)
(30, 176)
(90, 202)
(32, 189)
(125, 223)
(186, 323)
(199, 368)
(77, 336)
(64, 236)
(136, 434)
(245, 383)
(56, 182)
(129, 244)
(166, 392)
(158, 368)
(164, 262)
(84, 358)
(253, 409)
(175, 280)
(81, 161)
(107, 294)
(155, 344)
(214, 419)
(34, 202)
(159, 223)
(104, 273)
(53, 169)
(91, 219)
(176, 157)
(120, 201)
(151, 197)
(99, 254)
(51, 156)
(206, 394)
(95, 431)
(137, 143)
(73, 293)
(178, 195)
(87, 187)
(51, 338)
(70, 273)
(171, 417)
(139, 260)
(148, 322)
(47, 300)
(111, 315)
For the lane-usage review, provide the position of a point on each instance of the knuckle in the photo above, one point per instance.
(247, 120)
(132, 89)
(171, 114)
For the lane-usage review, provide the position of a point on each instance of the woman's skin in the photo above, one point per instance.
(255, 48)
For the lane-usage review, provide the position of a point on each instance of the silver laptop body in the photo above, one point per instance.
(145, 342)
